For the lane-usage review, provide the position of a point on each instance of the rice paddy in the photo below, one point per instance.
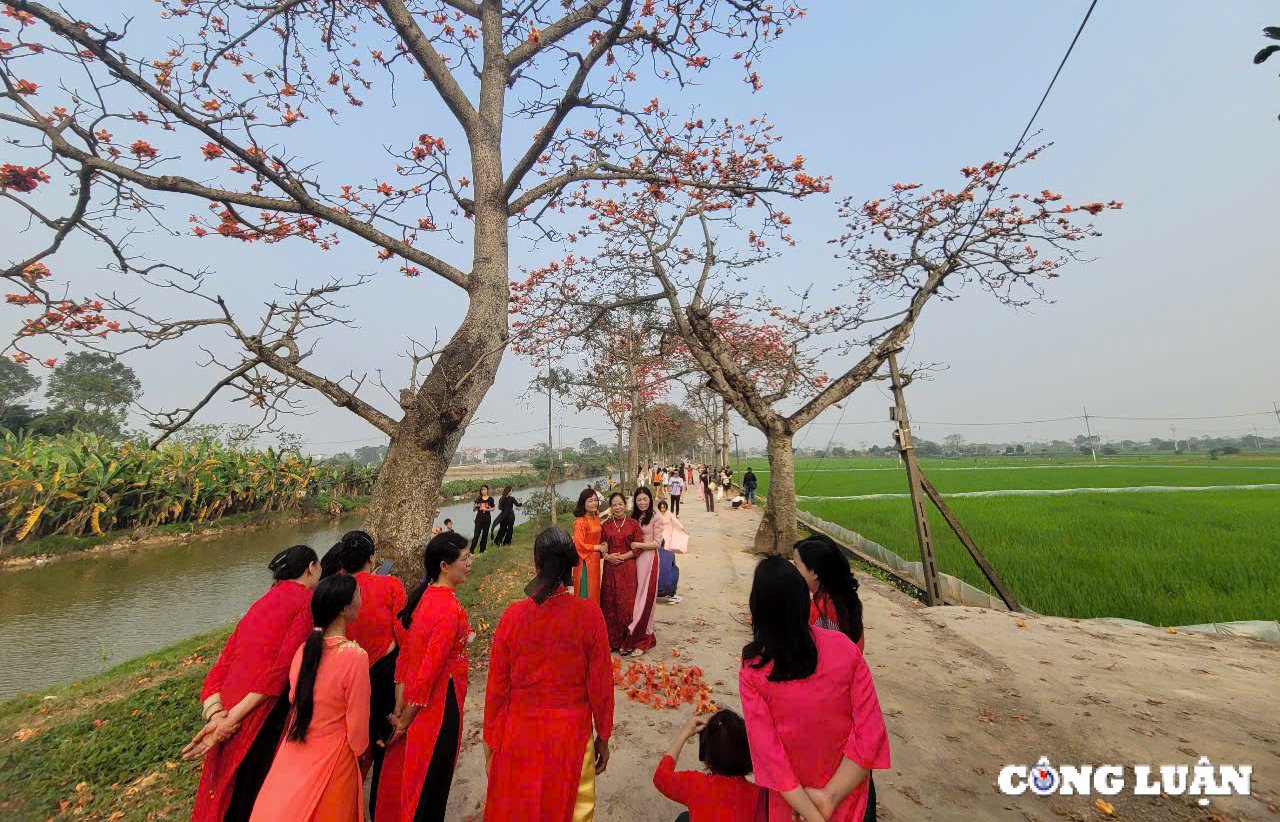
(1187, 540)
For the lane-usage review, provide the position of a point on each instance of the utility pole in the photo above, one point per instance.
(1173, 429)
(1276, 407)
(737, 451)
(922, 488)
(1089, 433)
(907, 449)
(551, 454)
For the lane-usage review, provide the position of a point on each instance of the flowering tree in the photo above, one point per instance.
(217, 122)
(903, 250)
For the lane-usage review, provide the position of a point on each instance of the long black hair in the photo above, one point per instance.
(331, 596)
(292, 562)
(555, 558)
(444, 547)
(780, 622)
(332, 562)
(580, 510)
(823, 557)
(357, 549)
(636, 514)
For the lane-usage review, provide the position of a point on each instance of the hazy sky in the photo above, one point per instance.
(1160, 106)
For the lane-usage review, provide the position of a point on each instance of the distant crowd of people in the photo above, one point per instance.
(338, 674)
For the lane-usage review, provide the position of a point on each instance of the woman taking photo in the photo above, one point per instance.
(589, 544)
(835, 604)
(625, 542)
(506, 524)
(813, 719)
(550, 682)
(245, 693)
(316, 773)
(483, 506)
(651, 529)
(375, 629)
(433, 670)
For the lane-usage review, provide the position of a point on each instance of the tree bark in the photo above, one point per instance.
(778, 528)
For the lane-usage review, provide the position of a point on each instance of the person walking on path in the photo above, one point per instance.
(813, 718)
(316, 772)
(376, 629)
(589, 544)
(749, 485)
(433, 671)
(483, 506)
(708, 496)
(550, 682)
(722, 793)
(245, 693)
(675, 487)
(506, 524)
(618, 585)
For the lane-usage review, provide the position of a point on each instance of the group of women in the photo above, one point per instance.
(503, 529)
(622, 557)
(326, 679)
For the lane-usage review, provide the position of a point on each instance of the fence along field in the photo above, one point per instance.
(1169, 557)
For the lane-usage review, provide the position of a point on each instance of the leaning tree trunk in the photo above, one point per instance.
(778, 529)
(436, 415)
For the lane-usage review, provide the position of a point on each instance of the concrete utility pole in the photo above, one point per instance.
(551, 454)
(1277, 410)
(1089, 433)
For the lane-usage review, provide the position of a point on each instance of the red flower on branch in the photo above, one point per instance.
(21, 178)
(143, 150)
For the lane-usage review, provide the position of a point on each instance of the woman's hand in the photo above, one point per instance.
(399, 726)
(602, 549)
(488, 756)
(615, 559)
(602, 755)
(203, 740)
(823, 801)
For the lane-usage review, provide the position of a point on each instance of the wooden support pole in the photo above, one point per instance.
(915, 480)
(967, 541)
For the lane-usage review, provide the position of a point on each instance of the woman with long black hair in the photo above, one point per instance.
(506, 522)
(433, 672)
(813, 719)
(376, 630)
(483, 506)
(245, 693)
(550, 682)
(832, 587)
(316, 773)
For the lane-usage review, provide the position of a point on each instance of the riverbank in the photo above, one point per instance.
(106, 747)
(59, 547)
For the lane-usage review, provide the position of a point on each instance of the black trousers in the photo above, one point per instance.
(481, 534)
(506, 527)
(253, 769)
(444, 757)
(675, 504)
(382, 701)
(710, 497)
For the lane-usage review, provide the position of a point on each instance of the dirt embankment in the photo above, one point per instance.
(965, 691)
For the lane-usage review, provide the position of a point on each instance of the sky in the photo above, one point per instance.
(1160, 106)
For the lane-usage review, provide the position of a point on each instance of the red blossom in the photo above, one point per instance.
(211, 151)
(143, 150)
(21, 178)
(26, 88)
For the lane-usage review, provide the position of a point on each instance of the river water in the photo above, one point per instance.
(66, 620)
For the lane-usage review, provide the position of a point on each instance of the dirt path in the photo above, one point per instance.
(964, 691)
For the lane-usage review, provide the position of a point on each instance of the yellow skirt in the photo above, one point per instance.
(584, 810)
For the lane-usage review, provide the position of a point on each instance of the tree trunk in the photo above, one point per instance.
(724, 432)
(436, 415)
(622, 469)
(778, 528)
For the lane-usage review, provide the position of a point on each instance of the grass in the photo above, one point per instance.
(106, 748)
(1165, 558)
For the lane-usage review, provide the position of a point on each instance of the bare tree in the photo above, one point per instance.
(202, 122)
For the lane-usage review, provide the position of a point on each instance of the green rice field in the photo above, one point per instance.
(1167, 557)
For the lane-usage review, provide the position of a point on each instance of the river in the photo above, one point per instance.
(69, 619)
